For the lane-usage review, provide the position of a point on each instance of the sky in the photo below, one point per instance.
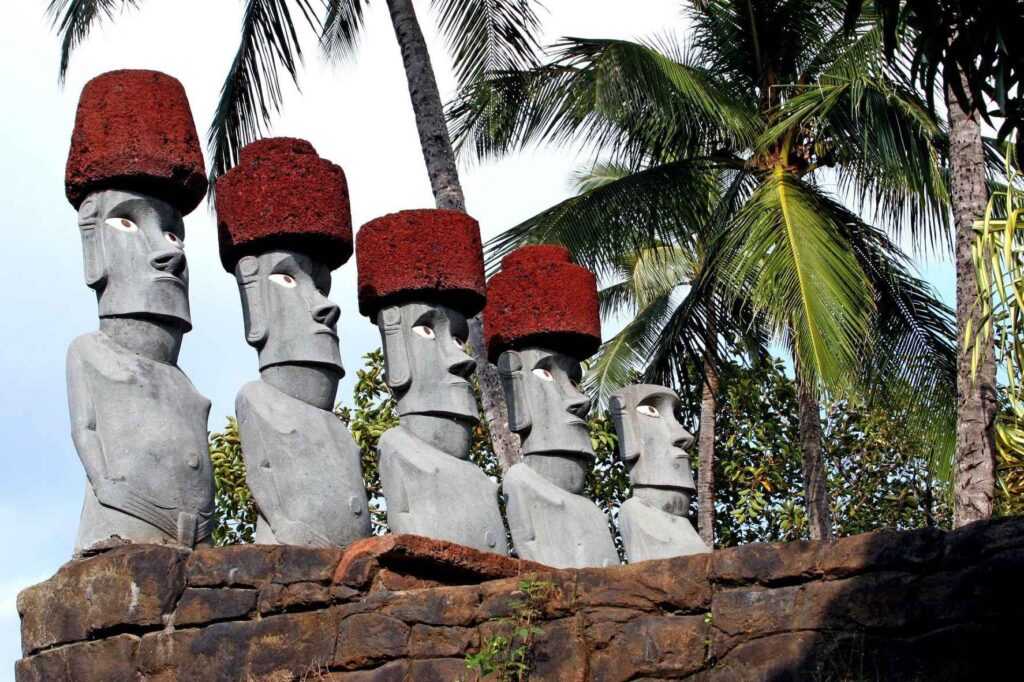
(356, 113)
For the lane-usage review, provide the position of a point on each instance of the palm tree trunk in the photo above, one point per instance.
(706, 435)
(426, 105)
(974, 474)
(815, 491)
(444, 182)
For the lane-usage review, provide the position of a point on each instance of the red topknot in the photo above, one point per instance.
(540, 298)
(134, 131)
(282, 195)
(431, 255)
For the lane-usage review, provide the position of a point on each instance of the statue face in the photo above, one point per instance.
(546, 407)
(426, 364)
(133, 249)
(288, 317)
(651, 440)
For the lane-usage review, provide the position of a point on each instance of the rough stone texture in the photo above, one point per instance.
(540, 298)
(429, 255)
(283, 196)
(134, 130)
(945, 607)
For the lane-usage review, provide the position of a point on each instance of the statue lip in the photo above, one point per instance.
(329, 332)
(575, 420)
(170, 278)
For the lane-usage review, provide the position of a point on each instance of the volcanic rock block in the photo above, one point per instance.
(541, 299)
(283, 196)
(427, 255)
(134, 130)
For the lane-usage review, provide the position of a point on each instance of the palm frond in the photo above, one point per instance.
(488, 36)
(73, 19)
(909, 363)
(637, 104)
(786, 254)
(666, 204)
(252, 91)
(888, 149)
(342, 27)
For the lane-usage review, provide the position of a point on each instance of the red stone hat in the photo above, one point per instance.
(282, 195)
(420, 255)
(134, 131)
(542, 298)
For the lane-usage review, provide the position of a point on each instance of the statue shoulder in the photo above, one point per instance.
(86, 349)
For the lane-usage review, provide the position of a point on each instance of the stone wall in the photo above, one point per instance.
(922, 605)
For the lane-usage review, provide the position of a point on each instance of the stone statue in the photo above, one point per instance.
(652, 443)
(541, 320)
(420, 278)
(138, 424)
(285, 224)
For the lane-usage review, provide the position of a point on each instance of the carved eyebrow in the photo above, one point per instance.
(428, 316)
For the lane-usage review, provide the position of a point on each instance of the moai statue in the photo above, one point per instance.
(653, 444)
(540, 322)
(421, 276)
(284, 222)
(135, 168)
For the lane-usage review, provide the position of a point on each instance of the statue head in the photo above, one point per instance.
(540, 322)
(549, 412)
(288, 317)
(134, 169)
(134, 258)
(284, 224)
(653, 445)
(420, 278)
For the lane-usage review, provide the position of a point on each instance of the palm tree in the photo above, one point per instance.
(484, 36)
(976, 47)
(767, 104)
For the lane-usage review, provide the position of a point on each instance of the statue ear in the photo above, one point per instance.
(247, 272)
(510, 369)
(629, 444)
(396, 356)
(92, 243)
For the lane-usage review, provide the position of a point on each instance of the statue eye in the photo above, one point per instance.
(543, 374)
(173, 238)
(286, 281)
(648, 410)
(122, 224)
(459, 343)
(424, 331)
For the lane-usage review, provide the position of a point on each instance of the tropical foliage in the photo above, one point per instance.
(999, 260)
(877, 474)
(735, 168)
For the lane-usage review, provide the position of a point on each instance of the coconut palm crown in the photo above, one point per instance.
(753, 150)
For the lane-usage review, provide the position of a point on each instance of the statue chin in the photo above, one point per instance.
(675, 501)
(450, 434)
(566, 470)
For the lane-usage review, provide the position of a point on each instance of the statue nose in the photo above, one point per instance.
(462, 366)
(683, 439)
(171, 261)
(327, 314)
(579, 406)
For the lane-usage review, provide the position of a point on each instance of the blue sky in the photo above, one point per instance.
(356, 114)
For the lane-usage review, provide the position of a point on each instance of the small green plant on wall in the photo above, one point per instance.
(506, 654)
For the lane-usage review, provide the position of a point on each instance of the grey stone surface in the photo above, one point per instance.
(550, 522)
(430, 486)
(138, 424)
(301, 463)
(653, 444)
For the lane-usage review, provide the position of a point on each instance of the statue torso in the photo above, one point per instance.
(309, 468)
(434, 494)
(649, 533)
(152, 424)
(553, 526)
